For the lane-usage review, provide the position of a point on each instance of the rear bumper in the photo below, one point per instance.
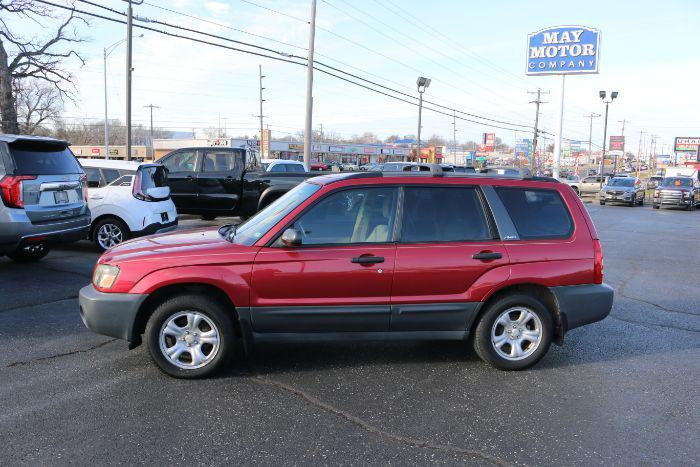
(111, 314)
(156, 228)
(583, 304)
(15, 233)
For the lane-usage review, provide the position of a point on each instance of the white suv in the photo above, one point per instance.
(127, 200)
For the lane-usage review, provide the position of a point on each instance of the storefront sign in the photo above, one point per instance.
(296, 147)
(617, 143)
(336, 149)
(686, 144)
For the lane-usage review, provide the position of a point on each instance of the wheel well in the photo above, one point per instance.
(540, 292)
(95, 221)
(159, 296)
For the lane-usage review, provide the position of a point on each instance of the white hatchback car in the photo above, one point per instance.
(127, 200)
(282, 165)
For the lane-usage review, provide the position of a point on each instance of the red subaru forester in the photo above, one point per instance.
(508, 263)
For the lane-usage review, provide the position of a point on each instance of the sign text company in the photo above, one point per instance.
(563, 50)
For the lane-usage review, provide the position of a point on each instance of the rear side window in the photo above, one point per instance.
(153, 177)
(277, 168)
(43, 159)
(295, 168)
(93, 177)
(443, 214)
(537, 214)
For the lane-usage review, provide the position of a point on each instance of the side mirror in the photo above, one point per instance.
(291, 238)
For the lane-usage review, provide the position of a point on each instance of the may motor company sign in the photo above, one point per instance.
(563, 50)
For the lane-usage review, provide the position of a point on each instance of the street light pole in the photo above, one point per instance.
(151, 106)
(104, 56)
(128, 79)
(613, 96)
(309, 89)
(422, 83)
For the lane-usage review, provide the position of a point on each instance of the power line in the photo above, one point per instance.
(287, 59)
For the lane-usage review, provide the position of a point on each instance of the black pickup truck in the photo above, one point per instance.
(219, 181)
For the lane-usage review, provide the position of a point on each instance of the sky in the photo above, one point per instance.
(474, 52)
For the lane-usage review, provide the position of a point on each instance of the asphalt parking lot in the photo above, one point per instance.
(622, 391)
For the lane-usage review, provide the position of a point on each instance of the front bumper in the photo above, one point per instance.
(111, 314)
(583, 304)
(672, 201)
(616, 198)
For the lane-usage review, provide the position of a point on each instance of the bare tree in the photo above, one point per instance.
(33, 57)
(38, 103)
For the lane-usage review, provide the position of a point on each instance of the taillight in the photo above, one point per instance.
(84, 183)
(11, 190)
(597, 262)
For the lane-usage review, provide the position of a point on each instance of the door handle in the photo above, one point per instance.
(487, 255)
(368, 259)
(189, 177)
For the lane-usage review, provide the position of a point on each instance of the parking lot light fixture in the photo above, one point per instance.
(422, 83)
(613, 96)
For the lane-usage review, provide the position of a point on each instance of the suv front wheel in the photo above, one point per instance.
(514, 333)
(190, 336)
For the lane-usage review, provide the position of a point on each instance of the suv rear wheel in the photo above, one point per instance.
(190, 336)
(29, 253)
(109, 232)
(514, 333)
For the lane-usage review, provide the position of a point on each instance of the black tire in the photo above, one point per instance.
(486, 350)
(602, 203)
(29, 253)
(641, 201)
(633, 201)
(655, 206)
(208, 217)
(222, 319)
(578, 193)
(102, 243)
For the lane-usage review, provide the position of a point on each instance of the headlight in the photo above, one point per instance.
(105, 276)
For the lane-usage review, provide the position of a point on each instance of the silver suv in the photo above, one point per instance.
(43, 191)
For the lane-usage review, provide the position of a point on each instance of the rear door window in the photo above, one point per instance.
(443, 214)
(43, 159)
(537, 213)
(295, 168)
(93, 177)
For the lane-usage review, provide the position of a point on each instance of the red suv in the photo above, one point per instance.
(512, 263)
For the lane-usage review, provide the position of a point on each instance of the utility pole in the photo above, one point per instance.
(308, 128)
(622, 133)
(129, 18)
(321, 130)
(602, 155)
(590, 138)
(261, 111)
(639, 152)
(537, 103)
(454, 136)
(151, 106)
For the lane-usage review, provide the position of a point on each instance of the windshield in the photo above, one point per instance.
(258, 225)
(621, 182)
(677, 181)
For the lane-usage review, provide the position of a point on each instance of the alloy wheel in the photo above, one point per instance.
(109, 235)
(189, 340)
(516, 333)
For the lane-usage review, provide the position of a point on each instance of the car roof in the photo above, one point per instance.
(433, 175)
(281, 161)
(9, 138)
(111, 164)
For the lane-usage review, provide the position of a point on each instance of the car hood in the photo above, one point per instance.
(620, 188)
(201, 246)
(673, 188)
